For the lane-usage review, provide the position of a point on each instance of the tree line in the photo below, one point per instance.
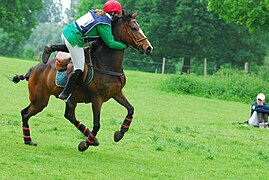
(183, 31)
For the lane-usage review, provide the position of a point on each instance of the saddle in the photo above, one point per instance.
(63, 63)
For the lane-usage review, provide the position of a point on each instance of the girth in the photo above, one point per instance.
(121, 75)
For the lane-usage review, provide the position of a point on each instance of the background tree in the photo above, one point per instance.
(45, 33)
(48, 31)
(17, 18)
(252, 14)
(51, 11)
(86, 5)
(201, 34)
(72, 11)
(7, 44)
(184, 29)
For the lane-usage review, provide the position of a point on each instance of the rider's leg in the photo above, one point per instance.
(78, 58)
(51, 48)
(260, 117)
(71, 82)
(265, 117)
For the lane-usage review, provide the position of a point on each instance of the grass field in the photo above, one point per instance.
(171, 137)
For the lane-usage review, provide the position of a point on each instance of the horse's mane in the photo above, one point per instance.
(127, 16)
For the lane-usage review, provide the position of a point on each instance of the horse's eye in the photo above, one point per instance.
(134, 28)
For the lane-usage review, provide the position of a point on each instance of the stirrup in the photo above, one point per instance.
(64, 98)
(67, 99)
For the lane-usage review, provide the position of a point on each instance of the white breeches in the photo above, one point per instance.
(77, 55)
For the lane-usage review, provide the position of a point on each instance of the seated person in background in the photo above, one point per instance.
(259, 111)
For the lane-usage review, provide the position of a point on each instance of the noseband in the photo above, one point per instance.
(137, 48)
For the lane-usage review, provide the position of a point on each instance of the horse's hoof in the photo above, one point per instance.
(118, 136)
(83, 146)
(30, 143)
(95, 142)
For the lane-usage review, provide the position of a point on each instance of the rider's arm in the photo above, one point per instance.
(106, 34)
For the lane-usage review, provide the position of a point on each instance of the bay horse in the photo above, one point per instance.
(107, 82)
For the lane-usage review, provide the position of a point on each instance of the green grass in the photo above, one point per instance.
(171, 137)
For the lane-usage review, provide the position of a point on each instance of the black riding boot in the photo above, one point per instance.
(71, 82)
(51, 48)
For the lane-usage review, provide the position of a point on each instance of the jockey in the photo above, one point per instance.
(93, 24)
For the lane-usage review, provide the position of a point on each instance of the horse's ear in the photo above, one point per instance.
(135, 14)
(123, 13)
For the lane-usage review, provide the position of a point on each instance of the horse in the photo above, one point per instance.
(107, 82)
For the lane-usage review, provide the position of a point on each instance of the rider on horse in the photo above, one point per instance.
(93, 24)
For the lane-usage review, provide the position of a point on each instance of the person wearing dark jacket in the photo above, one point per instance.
(259, 111)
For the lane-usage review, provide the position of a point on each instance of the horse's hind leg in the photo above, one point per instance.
(26, 114)
(25, 126)
(70, 115)
(38, 101)
(121, 99)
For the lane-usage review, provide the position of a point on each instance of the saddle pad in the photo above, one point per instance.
(61, 80)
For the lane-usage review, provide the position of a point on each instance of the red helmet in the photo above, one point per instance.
(112, 6)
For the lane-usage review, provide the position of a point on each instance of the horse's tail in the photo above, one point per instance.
(17, 78)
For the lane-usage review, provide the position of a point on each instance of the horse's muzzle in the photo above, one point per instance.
(148, 50)
(145, 49)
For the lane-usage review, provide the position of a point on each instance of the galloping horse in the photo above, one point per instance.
(107, 83)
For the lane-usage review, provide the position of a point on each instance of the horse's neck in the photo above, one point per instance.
(108, 59)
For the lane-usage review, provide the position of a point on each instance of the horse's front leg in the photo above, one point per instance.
(70, 115)
(121, 99)
(90, 140)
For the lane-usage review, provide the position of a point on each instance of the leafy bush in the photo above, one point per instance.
(226, 85)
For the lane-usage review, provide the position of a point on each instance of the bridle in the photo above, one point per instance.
(138, 47)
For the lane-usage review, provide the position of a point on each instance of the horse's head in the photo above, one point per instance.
(130, 33)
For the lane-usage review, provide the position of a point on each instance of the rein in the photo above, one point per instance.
(112, 73)
(136, 50)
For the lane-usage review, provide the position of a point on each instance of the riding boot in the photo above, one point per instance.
(51, 48)
(71, 82)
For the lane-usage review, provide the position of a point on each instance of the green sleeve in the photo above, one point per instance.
(105, 32)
